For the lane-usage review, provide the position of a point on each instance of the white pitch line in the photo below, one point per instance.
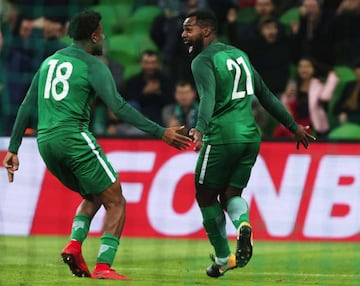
(300, 274)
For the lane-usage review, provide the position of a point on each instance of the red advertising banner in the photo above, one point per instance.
(293, 194)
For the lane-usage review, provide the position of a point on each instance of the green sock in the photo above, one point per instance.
(108, 248)
(238, 211)
(80, 227)
(214, 224)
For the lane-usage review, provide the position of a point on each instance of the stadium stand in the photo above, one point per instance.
(126, 47)
(290, 17)
(141, 19)
(124, 50)
(110, 17)
(346, 131)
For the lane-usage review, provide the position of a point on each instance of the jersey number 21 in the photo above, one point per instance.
(240, 62)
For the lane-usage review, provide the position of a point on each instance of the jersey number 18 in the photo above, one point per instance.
(62, 74)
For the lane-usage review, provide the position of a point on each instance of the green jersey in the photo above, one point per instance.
(226, 83)
(62, 93)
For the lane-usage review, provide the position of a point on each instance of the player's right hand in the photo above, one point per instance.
(302, 136)
(173, 137)
(11, 163)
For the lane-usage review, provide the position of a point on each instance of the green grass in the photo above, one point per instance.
(35, 260)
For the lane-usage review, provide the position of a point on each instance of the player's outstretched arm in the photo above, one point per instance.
(172, 137)
(302, 136)
(11, 163)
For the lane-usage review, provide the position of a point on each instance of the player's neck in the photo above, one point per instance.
(85, 45)
(209, 40)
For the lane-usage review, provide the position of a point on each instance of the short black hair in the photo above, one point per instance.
(267, 20)
(184, 82)
(83, 24)
(205, 18)
(149, 52)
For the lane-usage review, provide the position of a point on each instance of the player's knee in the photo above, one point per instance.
(117, 203)
(123, 201)
(231, 192)
(204, 200)
(120, 202)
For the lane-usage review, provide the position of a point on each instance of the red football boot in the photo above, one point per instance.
(110, 274)
(72, 256)
(103, 271)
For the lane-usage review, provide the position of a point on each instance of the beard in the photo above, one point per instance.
(196, 48)
(97, 51)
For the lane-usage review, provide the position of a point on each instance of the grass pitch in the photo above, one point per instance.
(35, 261)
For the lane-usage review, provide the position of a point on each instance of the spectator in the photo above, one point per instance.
(346, 37)
(347, 107)
(285, 5)
(313, 37)
(101, 115)
(222, 9)
(242, 37)
(265, 9)
(36, 27)
(270, 55)
(269, 51)
(184, 111)
(151, 89)
(17, 63)
(303, 98)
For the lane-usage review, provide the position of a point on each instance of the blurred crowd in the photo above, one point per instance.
(307, 51)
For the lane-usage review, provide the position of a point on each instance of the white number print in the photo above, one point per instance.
(240, 62)
(62, 74)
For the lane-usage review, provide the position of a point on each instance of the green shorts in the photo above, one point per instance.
(220, 166)
(78, 161)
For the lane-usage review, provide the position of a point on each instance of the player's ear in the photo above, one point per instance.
(93, 38)
(207, 31)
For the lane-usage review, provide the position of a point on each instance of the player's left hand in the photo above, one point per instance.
(173, 137)
(197, 138)
(302, 136)
(11, 163)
